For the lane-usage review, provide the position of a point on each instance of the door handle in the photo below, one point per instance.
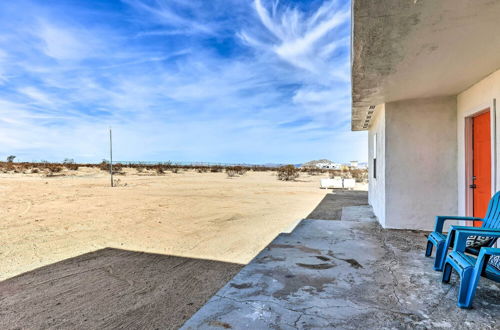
(473, 186)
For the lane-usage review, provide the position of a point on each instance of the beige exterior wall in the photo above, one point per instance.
(417, 153)
(376, 187)
(475, 99)
(421, 178)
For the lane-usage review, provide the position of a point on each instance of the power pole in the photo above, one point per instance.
(111, 155)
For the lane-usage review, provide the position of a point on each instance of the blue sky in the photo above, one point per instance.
(252, 81)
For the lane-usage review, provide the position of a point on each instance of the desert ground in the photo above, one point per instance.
(44, 220)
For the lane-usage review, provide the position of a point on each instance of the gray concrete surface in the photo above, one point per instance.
(346, 275)
(330, 208)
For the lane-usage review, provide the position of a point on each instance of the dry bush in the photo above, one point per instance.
(231, 173)
(139, 169)
(52, 170)
(240, 170)
(216, 169)
(312, 170)
(174, 169)
(118, 183)
(55, 168)
(288, 173)
(35, 170)
(202, 169)
(359, 175)
(160, 170)
(104, 165)
(71, 166)
(335, 173)
(118, 169)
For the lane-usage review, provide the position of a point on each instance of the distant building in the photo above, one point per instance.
(328, 165)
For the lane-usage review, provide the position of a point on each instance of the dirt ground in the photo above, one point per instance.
(44, 220)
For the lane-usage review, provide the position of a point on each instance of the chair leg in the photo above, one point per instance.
(446, 273)
(463, 292)
(428, 250)
(440, 257)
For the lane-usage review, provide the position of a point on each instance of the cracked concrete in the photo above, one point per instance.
(358, 276)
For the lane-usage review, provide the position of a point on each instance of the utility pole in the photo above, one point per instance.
(111, 155)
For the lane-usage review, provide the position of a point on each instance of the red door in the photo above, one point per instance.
(481, 164)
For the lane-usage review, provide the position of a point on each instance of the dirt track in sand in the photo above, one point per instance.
(197, 215)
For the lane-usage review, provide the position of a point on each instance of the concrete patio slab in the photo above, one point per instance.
(348, 275)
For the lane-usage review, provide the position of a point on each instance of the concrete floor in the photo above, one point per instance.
(347, 274)
(330, 208)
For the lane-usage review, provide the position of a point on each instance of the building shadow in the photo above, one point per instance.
(330, 207)
(112, 288)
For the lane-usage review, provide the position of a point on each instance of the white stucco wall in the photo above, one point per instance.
(376, 187)
(477, 98)
(421, 162)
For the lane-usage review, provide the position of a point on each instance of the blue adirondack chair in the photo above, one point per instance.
(443, 242)
(468, 267)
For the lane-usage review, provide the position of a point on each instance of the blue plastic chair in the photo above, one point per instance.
(468, 267)
(443, 242)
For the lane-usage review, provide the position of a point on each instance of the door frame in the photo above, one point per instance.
(469, 197)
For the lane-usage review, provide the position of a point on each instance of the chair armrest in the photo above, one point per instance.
(440, 219)
(462, 232)
(484, 257)
(490, 251)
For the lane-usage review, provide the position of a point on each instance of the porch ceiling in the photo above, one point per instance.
(405, 49)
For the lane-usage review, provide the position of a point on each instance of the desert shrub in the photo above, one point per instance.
(118, 169)
(215, 169)
(231, 173)
(359, 175)
(139, 169)
(288, 173)
(118, 183)
(69, 163)
(335, 173)
(10, 158)
(240, 170)
(202, 169)
(104, 165)
(174, 170)
(313, 170)
(160, 170)
(55, 168)
(71, 167)
(35, 170)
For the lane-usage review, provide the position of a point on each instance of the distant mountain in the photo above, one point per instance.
(316, 162)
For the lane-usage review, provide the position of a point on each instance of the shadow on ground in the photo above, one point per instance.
(112, 288)
(330, 208)
(345, 275)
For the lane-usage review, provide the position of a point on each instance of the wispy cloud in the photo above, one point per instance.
(305, 40)
(182, 80)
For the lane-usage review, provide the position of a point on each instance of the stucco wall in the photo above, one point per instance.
(376, 187)
(421, 162)
(477, 98)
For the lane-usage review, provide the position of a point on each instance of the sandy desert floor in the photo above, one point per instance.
(199, 215)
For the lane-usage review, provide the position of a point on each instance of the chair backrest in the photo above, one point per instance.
(492, 218)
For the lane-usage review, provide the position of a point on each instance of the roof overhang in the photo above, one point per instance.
(407, 49)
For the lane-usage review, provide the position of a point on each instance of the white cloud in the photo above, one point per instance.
(305, 42)
(163, 14)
